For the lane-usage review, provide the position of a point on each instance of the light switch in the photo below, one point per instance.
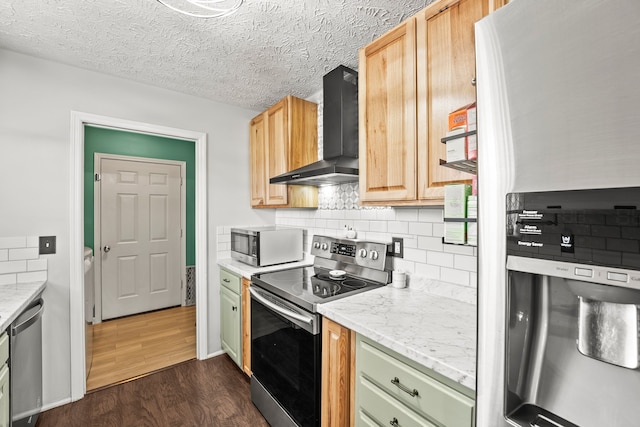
(47, 245)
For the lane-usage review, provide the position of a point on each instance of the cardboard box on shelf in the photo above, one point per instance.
(455, 232)
(455, 200)
(456, 148)
(472, 234)
(464, 118)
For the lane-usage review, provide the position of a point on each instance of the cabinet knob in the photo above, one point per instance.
(394, 422)
(234, 308)
(107, 249)
(473, 81)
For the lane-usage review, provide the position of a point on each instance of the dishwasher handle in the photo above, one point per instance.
(15, 330)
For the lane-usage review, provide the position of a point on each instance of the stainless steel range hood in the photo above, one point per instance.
(340, 135)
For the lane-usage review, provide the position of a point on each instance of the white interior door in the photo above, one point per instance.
(140, 234)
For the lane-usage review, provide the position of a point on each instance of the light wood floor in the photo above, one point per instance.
(134, 346)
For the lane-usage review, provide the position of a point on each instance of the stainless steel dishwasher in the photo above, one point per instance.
(26, 365)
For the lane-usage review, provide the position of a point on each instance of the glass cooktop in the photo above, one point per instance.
(308, 286)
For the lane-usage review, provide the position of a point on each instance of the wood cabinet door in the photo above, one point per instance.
(387, 115)
(447, 39)
(258, 166)
(246, 326)
(337, 374)
(277, 151)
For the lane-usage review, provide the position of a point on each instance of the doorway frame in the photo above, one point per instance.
(97, 224)
(76, 233)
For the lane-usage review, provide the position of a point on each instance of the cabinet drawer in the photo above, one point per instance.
(4, 347)
(384, 409)
(230, 281)
(434, 399)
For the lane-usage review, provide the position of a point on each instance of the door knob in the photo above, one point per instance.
(107, 249)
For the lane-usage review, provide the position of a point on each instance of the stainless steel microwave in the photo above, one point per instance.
(261, 246)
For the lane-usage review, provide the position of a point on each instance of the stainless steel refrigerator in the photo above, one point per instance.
(558, 94)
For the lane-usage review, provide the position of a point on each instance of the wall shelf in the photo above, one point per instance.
(468, 166)
(460, 219)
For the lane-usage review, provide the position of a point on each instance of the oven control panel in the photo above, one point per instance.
(362, 253)
(343, 249)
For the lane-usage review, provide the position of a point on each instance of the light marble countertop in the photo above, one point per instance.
(246, 270)
(435, 331)
(15, 298)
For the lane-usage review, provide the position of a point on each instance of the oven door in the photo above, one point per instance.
(285, 360)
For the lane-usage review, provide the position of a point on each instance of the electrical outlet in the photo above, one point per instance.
(47, 245)
(397, 246)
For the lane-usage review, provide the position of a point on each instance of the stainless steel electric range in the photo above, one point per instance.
(286, 339)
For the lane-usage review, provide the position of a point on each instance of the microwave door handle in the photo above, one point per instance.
(280, 310)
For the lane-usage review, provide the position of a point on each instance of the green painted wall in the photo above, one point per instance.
(112, 141)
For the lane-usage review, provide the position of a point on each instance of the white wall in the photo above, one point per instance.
(36, 99)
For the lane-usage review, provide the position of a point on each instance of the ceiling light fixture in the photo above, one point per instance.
(203, 8)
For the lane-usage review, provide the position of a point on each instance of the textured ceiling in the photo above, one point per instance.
(266, 50)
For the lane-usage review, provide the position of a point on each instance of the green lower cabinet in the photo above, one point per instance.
(230, 317)
(393, 390)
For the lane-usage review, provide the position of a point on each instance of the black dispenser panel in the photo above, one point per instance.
(600, 226)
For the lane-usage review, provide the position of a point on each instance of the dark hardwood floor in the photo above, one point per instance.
(212, 392)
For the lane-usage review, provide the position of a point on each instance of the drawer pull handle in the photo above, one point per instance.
(394, 422)
(226, 280)
(396, 382)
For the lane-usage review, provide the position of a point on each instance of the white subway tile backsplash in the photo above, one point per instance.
(454, 276)
(23, 253)
(416, 255)
(400, 264)
(430, 215)
(421, 228)
(369, 214)
(438, 229)
(407, 214)
(459, 249)
(33, 241)
(361, 225)
(430, 243)
(34, 276)
(428, 271)
(465, 262)
(398, 227)
(8, 279)
(37, 264)
(379, 226)
(13, 242)
(13, 266)
(440, 258)
(20, 260)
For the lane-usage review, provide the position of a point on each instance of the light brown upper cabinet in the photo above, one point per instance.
(411, 78)
(283, 138)
(387, 114)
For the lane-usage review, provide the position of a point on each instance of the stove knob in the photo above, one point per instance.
(363, 253)
(324, 291)
(374, 255)
(316, 245)
(317, 288)
(325, 246)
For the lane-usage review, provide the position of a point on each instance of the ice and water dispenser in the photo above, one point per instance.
(572, 333)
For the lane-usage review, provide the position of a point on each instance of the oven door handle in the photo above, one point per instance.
(280, 310)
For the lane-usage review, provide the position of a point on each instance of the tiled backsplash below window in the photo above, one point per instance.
(20, 261)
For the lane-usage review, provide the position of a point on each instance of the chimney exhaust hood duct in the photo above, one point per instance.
(340, 135)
